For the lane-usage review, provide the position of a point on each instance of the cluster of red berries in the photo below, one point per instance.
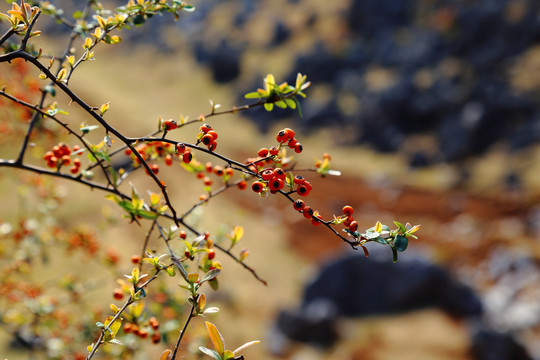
(308, 212)
(287, 136)
(142, 332)
(61, 156)
(349, 221)
(208, 137)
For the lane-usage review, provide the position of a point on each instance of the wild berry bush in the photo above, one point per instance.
(43, 145)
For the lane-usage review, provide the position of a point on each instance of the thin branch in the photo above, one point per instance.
(29, 31)
(183, 331)
(6, 36)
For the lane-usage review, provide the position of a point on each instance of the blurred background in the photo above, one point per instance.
(430, 110)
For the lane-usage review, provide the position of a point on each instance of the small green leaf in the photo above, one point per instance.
(253, 95)
(212, 274)
(401, 243)
(268, 106)
(281, 104)
(394, 254)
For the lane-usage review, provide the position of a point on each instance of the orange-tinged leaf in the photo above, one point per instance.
(215, 337)
(166, 355)
(228, 355)
(62, 74)
(202, 301)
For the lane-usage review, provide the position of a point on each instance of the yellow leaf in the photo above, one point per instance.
(378, 227)
(238, 232)
(102, 22)
(97, 33)
(154, 199)
(137, 309)
(90, 347)
(104, 108)
(87, 43)
(62, 75)
(114, 308)
(42, 76)
(71, 60)
(215, 337)
(113, 327)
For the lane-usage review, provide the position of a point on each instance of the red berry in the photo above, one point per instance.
(169, 125)
(206, 128)
(207, 181)
(127, 328)
(348, 210)
(218, 170)
(299, 205)
(353, 226)
(211, 254)
(187, 156)
(303, 190)
(118, 294)
(307, 212)
(154, 168)
(275, 184)
(314, 220)
(267, 174)
(257, 186)
(263, 152)
(298, 148)
(289, 132)
(292, 142)
(242, 185)
(180, 148)
(156, 338)
(279, 173)
(299, 179)
(183, 234)
(273, 150)
(212, 146)
(282, 136)
(136, 259)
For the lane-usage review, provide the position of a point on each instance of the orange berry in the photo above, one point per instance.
(207, 139)
(143, 333)
(299, 205)
(169, 125)
(257, 186)
(213, 133)
(206, 128)
(298, 148)
(212, 146)
(290, 133)
(154, 323)
(273, 150)
(154, 168)
(136, 259)
(242, 185)
(128, 327)
(183, 234)
(168, 160)
(156, 338)
(66, 160)
(353, 226)
(314, 220)
(348, 210)
(207, 181)
(218, 170)
(282, 136)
